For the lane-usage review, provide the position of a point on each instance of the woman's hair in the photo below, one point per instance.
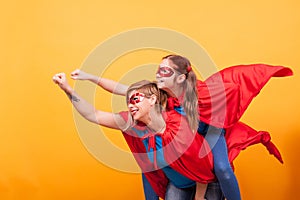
(149, 88)
(190, 102)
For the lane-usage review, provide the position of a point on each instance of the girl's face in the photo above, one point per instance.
(139, 106)
(166, 75)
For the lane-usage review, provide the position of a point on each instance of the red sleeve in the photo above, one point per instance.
(124, 115)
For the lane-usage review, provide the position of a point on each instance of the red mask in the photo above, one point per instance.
(136, 98)
(165, 71)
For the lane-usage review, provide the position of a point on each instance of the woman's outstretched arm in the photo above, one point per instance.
(85, 109)
(107, 84)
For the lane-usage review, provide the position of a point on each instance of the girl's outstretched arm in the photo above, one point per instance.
(85, 109)
(107, 84)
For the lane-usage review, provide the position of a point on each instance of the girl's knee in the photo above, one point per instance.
(223, 171)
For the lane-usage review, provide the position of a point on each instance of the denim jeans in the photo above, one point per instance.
(148, 190)
(213, 191)
(222, 168)
(174, 193)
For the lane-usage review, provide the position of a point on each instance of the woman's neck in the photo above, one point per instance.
(178, 93)
(156, 123)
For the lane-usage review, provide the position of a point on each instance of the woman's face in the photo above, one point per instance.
(166, 75)
(139, 106)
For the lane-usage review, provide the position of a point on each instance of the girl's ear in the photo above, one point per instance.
(181, 78)
(153, 99)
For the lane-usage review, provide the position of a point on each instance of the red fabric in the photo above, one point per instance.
(240, 136)
(172, 102)
(179, 146)
(223, 98)
(248, 80)
(156, 178)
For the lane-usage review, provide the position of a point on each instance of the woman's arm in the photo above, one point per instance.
(107, 84)
(85, 109)
(200, 191)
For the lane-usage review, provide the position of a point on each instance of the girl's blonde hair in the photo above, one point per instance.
(190, 102)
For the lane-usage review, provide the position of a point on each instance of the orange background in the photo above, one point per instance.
(41, 155)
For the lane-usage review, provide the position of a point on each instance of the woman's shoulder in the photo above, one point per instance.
(124, 115)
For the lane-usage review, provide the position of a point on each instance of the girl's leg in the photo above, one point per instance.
(214, 192)
(175, 193)
(222, 168)
(148, 190)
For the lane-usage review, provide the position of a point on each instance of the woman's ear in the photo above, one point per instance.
(181, 78)
(153, 99)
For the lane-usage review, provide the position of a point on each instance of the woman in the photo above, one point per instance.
(160, 156)
(176, 77)
(222, 98)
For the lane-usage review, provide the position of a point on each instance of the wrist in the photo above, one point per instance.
(68, 89)
(93, 78)
(98, 80)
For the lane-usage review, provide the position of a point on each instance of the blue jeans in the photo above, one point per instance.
(148, 190)
(213, 191)
(222, 168)
(175, 193)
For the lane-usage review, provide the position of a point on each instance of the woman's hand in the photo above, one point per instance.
(61, 81)
(87, 110)
(80, 75)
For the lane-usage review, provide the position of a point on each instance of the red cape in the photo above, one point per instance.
(223, 98)
(185, 151)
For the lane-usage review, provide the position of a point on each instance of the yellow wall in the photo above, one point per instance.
(41, 154)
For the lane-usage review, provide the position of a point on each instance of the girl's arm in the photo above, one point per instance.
(107, 84)
(200, 191)
(85, 109)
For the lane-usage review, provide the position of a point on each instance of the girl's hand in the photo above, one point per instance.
(80, 75)
(61, 81)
